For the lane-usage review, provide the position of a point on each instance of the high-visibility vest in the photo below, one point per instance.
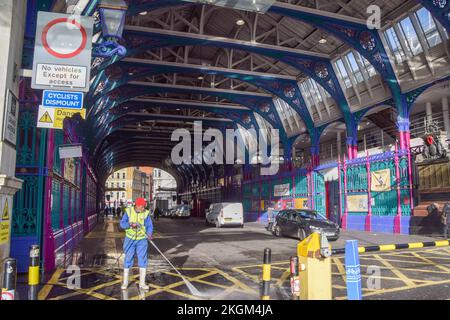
(136, 217)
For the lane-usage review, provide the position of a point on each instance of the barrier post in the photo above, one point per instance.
(314, 253)
(353, 270)
(33, 273)
(9, 279)
(266, 274)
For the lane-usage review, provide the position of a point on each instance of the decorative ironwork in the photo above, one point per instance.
(322, 70)
(108, 49)
(367, 41)
(440, 3)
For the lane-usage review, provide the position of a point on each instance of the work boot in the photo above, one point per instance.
(126, 274)
(142, 273)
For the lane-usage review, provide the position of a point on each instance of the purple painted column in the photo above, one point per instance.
(368, 224)
(352, 148)
(340, 188)
(345, 217)
(315, 157)
(397, 219)
(49, 240)
(405, 144)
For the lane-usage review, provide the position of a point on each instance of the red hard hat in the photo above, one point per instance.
(141, 202)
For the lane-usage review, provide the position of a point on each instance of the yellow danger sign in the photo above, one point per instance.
(53, 118)
(5, 215)
(61, 114)
(46, 118)
(5, 222)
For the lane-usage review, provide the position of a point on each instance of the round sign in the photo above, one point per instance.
(64, 38)
(7, 295)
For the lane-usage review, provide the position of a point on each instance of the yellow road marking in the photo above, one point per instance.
(340, 267)
(439, 266)
(284, 277)
(399, 274)
(237, 282)
(48, 287)
(168, 288)
(407, 288)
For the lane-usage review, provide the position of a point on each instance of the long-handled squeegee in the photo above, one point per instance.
(190, 286)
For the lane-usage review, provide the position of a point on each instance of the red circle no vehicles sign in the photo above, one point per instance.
(55, 45)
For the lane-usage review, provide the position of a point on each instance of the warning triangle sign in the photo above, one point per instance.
(46, 118)
(5, 215)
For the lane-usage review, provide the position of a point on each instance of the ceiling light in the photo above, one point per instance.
(323, 40)
(240, 22)
(143, 13)
(200, 78)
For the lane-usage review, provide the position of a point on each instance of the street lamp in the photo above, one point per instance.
(112, 17)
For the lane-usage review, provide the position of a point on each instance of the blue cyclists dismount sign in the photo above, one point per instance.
(353, 270)
(62, 99)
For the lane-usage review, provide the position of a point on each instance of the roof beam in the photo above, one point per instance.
(221, 41)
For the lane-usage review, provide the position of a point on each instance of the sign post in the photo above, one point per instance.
(62, 55)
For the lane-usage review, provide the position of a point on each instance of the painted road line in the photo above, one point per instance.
(398, 273)
(48, 287)
(407, 288)
(437, 265)
(340, 268)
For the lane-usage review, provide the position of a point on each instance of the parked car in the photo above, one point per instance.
(225, 214)
(169, 213)
(300, 223)
(182, 211)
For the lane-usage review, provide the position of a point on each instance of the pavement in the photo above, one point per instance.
(226, 264)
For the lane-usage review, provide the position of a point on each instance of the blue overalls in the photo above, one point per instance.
(136, 239)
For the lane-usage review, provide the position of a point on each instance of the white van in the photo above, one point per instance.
(225, 214)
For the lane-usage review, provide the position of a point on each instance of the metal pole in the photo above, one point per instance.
(33, 273)
(9, 279)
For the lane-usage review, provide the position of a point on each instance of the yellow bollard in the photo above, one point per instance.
(266, 275)
(315, 280)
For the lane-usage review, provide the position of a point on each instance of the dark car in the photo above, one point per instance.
(300, 223)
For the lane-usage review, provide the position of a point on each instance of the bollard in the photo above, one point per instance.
(266, 274)
(315, 278)
(352, 270)
(295, 279)
(9, 279)
(33, 273)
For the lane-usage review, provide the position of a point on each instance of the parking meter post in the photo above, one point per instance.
(315, 274)
(266, 274)
(295, 280)
(33, 273)
(9, 279)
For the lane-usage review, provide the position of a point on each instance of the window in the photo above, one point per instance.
(124, 175)
(428, 27)
(411, 36)
(354, 67)
(343, 73)
(112, 184)
(366, 65)
(118, 195)
(123, 184)
(123, 194)
(394, 45)
(118, 175)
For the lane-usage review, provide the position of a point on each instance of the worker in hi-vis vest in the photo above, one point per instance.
(138, 226)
